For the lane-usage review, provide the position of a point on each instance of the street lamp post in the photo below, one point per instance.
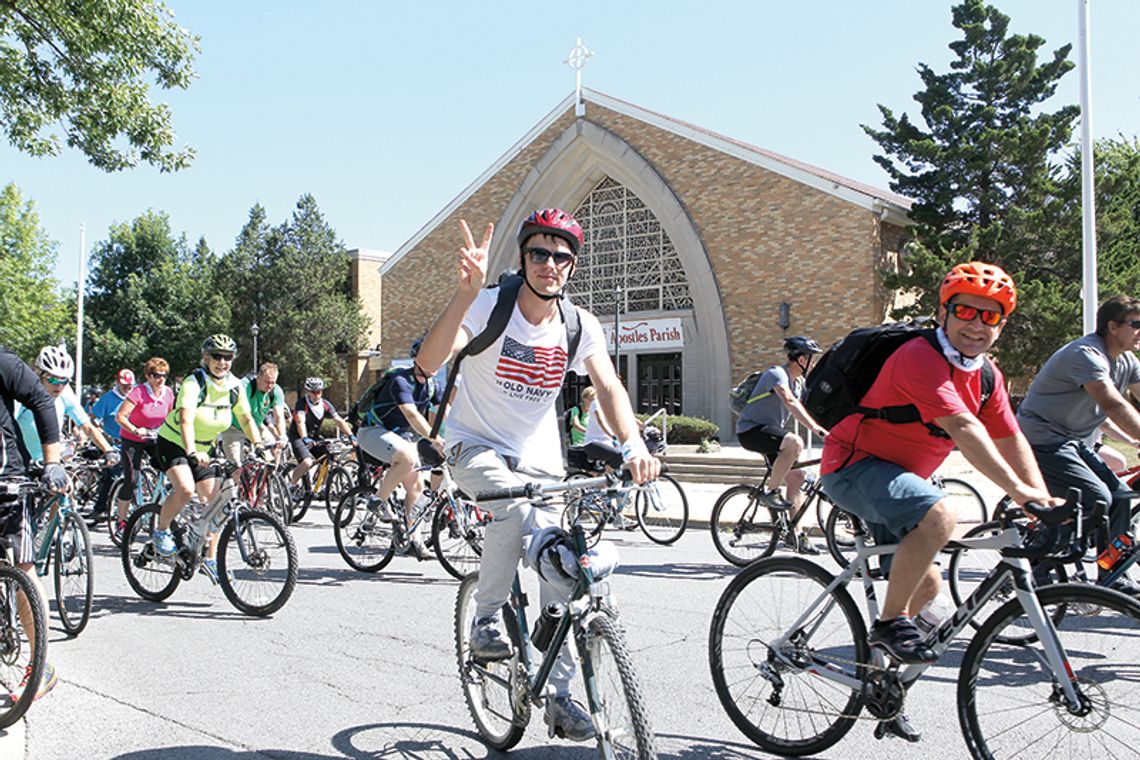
(255, 330)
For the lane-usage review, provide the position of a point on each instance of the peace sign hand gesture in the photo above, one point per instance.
(473, 260)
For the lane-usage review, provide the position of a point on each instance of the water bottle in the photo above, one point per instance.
(1117, 549)
(933, 613)
(546, 625)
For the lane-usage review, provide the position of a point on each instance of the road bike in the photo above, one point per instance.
(660, 507)
(63, 547)
(256, 556)
(23, 652)
(368, 543)
(792, 668)
(500, 694)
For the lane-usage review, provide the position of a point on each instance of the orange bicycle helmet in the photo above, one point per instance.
(977, 278)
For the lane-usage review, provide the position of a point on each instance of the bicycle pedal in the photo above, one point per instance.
(899, 728)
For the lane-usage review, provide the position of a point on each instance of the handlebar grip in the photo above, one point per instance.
(514, 492)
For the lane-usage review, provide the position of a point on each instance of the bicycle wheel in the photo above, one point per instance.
(778, 699)
(662, 510)
(1010, 703)
(743, 527)
(457, 537)
(152, 577)
(590, 513)
(340, 480)
(494, 691)
(840, 536)
(257, 563)
(615, 692)
(301, 496)
(74, 584)
(21, 656)
(362, 538)
(968, 567)
(280, 503)
(965, 500)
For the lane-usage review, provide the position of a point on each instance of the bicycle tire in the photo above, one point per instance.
(364, 542)
(488, 698)
(812, 490)
(589, 514)
(738, 652)
(304, 497)
(257, 563)
(280, 502)
(839, 536)
(658, 516)
(339, 482)
(966, 501)
(734, 520)
(152, 577)
(1008, 700)
(17, 651)
(616, 692)
(968, 567)
(456, 537)
(74, 582)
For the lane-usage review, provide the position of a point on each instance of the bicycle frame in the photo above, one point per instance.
(60, 506)
(939, 639)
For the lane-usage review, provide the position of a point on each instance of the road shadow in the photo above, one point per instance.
(428, 741)
(205, 752)
(103, 606)
(691, 570)
(331, 576)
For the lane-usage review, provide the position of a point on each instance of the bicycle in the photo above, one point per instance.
(151, 486)
(368, 543)
(1057, 687)
(660, 507)
(261, 486)
(63, 546)
(330, 478)
(499, 695)
(257, 559)
(23, 655)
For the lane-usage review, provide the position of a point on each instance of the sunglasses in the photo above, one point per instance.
(989, 317)
(159, 375)
(539, 256)
(222, 357)
(58, 380)
(1133, 323)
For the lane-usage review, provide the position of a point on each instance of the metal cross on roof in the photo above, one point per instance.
(577, 59)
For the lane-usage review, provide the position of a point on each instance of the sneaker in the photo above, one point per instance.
(209, 568)
(382, 509)
(163, 541)
(47, 682)
(1125, 586)
(805, 546)
(900, 639)
(120, 528)
(567, 719)
(487, 642)
(898, 726)
(417, 549)
(775, 500)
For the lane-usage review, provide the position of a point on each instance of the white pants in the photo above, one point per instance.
(480, 468)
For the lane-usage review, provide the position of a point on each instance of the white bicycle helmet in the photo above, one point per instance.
(314, 384)
(55, 361)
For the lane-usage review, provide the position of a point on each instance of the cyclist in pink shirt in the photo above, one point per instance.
(142, 411)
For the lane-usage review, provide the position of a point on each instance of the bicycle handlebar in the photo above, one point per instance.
(534, 491)
(1062, 530)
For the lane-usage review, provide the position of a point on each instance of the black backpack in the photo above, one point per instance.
(846, 371)
(508, 286)
(361, 413)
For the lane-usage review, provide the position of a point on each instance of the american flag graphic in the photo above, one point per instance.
(538, 367)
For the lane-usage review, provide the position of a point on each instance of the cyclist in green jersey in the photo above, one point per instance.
(208, 400)
(267, 405)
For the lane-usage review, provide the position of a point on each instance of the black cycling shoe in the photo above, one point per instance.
(898, 726)
(1125, 586)
(901, 639)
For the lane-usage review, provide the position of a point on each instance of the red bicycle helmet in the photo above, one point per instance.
(553, 221)
(980, 279)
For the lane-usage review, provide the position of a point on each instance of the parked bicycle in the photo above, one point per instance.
(23, 651)
(500, 694)
(795, 676)
(256, 556)
(660, 507)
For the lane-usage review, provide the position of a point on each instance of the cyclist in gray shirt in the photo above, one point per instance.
(1081, 385)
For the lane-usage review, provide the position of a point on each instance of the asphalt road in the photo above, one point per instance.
(363, 666)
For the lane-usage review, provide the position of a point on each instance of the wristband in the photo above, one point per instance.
(633, 448)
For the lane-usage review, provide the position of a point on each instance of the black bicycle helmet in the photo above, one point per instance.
(798, 345)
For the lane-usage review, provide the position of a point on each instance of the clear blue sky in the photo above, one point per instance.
(386, 111)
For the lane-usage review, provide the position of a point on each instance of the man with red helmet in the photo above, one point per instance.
(503, 429)
(1081, 387)
(880, 470)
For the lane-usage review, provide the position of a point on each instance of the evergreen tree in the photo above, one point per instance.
(33, 310)
(982, 169)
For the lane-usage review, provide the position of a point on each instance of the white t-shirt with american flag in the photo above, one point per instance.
(506, 399)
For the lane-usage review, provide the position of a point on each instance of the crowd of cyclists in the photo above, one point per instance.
(512, 346)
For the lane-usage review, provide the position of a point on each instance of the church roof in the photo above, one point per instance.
(890, 206)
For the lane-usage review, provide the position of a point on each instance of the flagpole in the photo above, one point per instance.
(1088, 176)
(81, 286)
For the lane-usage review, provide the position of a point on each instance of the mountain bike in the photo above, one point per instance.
(329, 479)
(500, 695)
(22, 653)
(151, 486)
(257, 559)
(792, 668)
(63, 546)
(660, 507)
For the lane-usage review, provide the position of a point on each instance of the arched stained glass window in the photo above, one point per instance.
(626, 247)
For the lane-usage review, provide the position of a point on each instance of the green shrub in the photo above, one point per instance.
(686, 430)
